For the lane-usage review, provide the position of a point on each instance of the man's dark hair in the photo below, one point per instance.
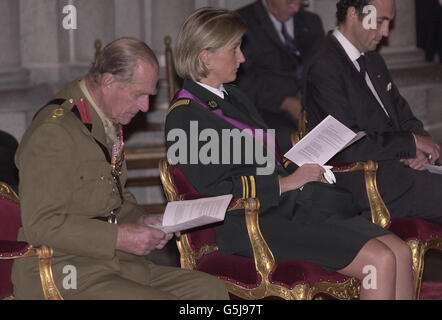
(343, 5)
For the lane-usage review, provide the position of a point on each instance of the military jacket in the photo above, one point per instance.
(66, 181)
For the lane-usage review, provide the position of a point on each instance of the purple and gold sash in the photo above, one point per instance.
(184, 94)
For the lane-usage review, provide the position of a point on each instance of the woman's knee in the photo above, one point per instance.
(401, 249)
(404, 254)
(386, 259)
(374, 255)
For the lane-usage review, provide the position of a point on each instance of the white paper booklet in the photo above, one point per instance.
(323, 143)
(183, 215)
(433, 168)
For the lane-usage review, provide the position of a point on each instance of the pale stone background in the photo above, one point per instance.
(38, 56)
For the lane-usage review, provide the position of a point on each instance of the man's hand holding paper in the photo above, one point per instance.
(183, 215)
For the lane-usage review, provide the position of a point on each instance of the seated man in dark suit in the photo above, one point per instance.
(8, 170)
(349, 80)
(281, 35)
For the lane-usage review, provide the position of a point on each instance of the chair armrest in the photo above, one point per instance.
(16, 250)
(379, 211)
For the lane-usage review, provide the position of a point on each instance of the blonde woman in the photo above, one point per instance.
(300, 217)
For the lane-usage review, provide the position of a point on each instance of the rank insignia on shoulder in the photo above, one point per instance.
(179, 103)
(57, 113)
(212, 104)
(84, 111)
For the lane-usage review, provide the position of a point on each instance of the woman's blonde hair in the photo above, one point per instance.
(206, 29)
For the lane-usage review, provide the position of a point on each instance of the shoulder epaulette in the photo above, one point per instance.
(179, 103)
(82, 111)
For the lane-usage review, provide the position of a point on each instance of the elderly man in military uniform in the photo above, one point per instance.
(72, 176)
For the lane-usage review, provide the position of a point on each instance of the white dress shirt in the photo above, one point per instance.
(353, 53)
(277, 24)
(217, 91)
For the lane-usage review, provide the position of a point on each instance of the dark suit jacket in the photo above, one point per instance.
(269, 74)
(335, 87)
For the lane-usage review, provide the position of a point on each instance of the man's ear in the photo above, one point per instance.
(352, 14)
(107, 80)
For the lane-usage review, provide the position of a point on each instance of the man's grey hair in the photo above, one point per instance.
(120, 58)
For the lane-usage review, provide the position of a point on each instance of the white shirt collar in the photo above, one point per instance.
(218, 91)
(352, 52)
(277, 24)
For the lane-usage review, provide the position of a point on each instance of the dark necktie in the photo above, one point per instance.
(290, 43)
(362, 66)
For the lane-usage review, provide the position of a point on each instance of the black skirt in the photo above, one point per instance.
(322, 224)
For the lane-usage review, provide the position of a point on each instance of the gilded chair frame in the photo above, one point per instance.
(43, 253)
(380, 214)
(263, 257)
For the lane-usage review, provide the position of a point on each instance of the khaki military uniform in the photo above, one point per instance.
(65, 182)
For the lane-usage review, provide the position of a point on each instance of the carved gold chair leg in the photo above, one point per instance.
(417, 253)
(418, 250)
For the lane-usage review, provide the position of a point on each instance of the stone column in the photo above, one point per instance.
(401, 50)
(9, 24)
(39, 39)
(129, 19)
(11, 73)
(167, 18)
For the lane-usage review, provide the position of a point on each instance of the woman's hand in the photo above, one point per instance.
(304, 174)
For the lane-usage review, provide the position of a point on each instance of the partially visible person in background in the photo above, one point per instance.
(8, 170)
(280, 39)
(429, 28)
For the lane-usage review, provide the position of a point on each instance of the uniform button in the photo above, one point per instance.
(102, 178)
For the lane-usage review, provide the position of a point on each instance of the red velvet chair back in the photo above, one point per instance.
(215, 263)
(186, 190)
(10, 222)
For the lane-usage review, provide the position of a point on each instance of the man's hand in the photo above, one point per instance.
(155, 220)
(418, 162)
(430, 148)
(139, 238)
(304, 174)
(293, 106)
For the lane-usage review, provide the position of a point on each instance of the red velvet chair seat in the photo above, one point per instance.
(294, 272)
(238, 269)
(414, 229)
(431, 291)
